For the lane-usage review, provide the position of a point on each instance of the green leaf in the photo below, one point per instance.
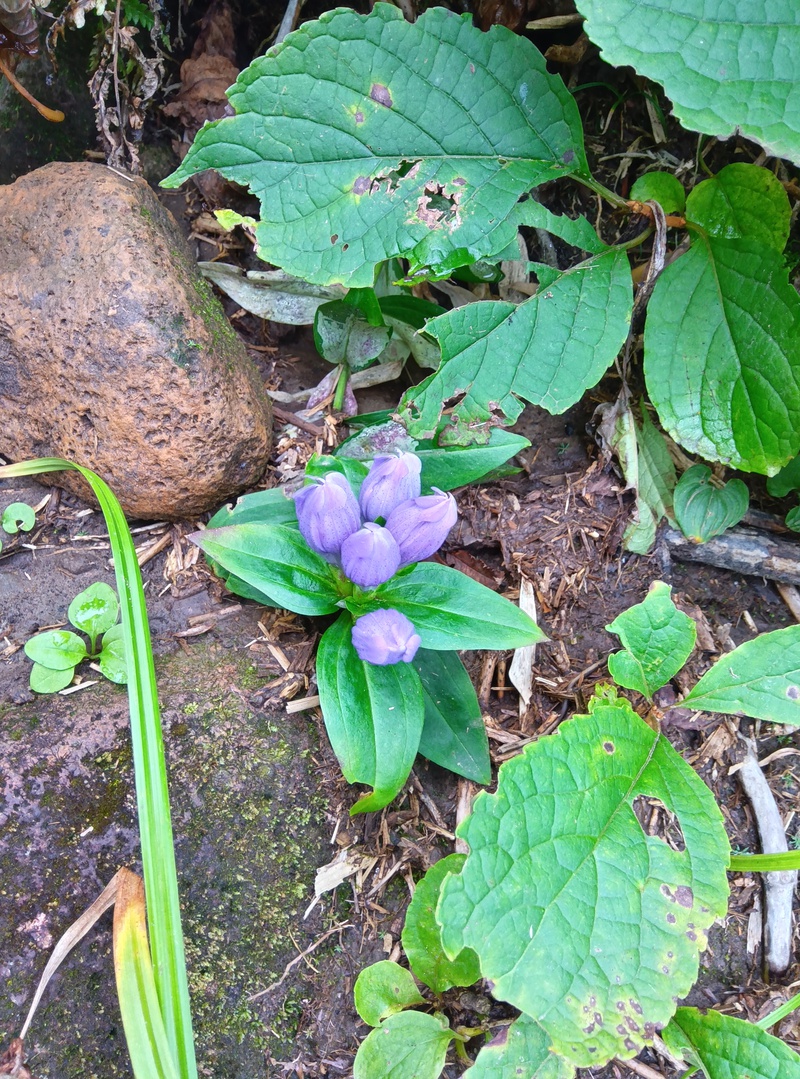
(422, 937)
(729, 1048)
(407, 316)
(343, 334)
(451, 612)
(58, 649)
(785, 481)
(704, 511)
(521, 1049)
(448, 467)
(657, 477)
(373, 715)
(742, 202)
(658, 639)
(722, 354)
(764, 863)
(547, 350)
(48, 680)
(574, 878)
(277, 561)
(793, 519)
(18, 517)
(113, 661)
(726, 69)
(454, 735)
(94, 610)
(353, 470)
(384, 989)
(410, 1045)
(575, 231)
(262, 507)
(663, 188)
(367, 137)
(760, 678)
(270, 294)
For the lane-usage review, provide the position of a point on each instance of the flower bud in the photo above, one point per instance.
(420, 525)
(384, 637)
(391, 480)
(370, 556)
(327, 513)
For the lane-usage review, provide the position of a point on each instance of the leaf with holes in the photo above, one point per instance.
(727, 1048)
(760, 678)
(521, 1049)
(742, 201)
(575, 876)
(722, 354)
(368, 137)
(547, 350)
(658, 639)
(383, 989)
(704, 511)
(728, 68)
(422, 937)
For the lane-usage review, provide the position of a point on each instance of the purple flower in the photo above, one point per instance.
(370, 556)
(391, 480)
(420, 525)
(384, 637)
(327, 513)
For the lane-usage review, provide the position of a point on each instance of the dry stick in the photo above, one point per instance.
(743, 551)
(779, 886)
(644, 1070)
(54, 115)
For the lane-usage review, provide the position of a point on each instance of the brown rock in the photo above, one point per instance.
(114, 352)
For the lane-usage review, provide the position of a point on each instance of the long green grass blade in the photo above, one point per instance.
(152, 795)
(764, 863)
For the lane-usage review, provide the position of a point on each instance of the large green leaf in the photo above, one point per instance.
(722, 354)
(454, 734)
(451, 611)
(760, 678)
(383, 989)
(657, 639)
(367, 137)
(727, 67)
(729, 1048)
(580, 919)
(742, 201)
(547, 350)
(422, 936)
(520, 1050)
(275, 560)
(410, 1045)
(373, 715)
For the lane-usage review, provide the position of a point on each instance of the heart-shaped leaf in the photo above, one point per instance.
(18, 517)
(742, 201)
(704, 511)
(383, 989)
(663, 188)
(368, 137)
(658, 639)
(574, 876)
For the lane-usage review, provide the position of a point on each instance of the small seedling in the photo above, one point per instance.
(57, 652)
(18, 517)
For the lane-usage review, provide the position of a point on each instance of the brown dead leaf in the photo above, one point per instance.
(12, 1061)
(475, 568)
(202, 94)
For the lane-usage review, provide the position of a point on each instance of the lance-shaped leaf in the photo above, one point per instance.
(368, 137)
(547, 350)
(410, 1045)
(452, 612)
(275, 561)
(760, 678)
(727, 1048)
(742, 201)
(727, 68)
(454, 734)
(422, 936)
(373, 715)
(722, 354)
(522, 1049)
(658, 639)
(574, 876)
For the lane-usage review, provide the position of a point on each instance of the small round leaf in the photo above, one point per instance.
(94, 610)
(18, 517)
(703, 511)
(663, 188)
(383, 989)
(46, 680)
(57, 649)
(112, 659)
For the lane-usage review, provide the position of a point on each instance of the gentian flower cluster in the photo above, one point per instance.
(389, 526)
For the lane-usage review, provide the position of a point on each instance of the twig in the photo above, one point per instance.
(298, 959)
(743, 551)
(778, 886)
(644, 1070)
(289, 417)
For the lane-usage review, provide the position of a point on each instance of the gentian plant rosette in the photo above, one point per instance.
(353, 541)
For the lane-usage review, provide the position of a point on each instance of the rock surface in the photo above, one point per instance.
(114, 352)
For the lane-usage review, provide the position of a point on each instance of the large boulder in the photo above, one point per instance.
(114, 352)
